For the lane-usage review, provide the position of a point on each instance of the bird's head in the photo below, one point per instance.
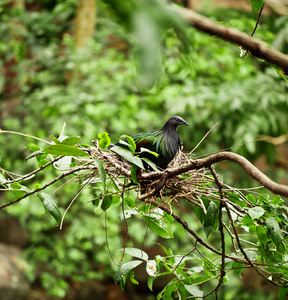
(176, 120)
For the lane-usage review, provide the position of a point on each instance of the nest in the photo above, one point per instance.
(157, 187)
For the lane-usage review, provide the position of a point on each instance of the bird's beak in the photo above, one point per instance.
(185, 123)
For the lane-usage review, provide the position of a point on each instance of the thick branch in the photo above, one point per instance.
(253, 172)
(255, 46)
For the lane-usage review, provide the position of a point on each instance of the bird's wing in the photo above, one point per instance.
(151, 140)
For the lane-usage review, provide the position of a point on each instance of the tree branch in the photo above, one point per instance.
(255, 46)
(253, 172)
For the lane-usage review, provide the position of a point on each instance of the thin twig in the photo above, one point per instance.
(26, 135)
(203, 138)
(44, 186)
(34, 172)
(70, 204)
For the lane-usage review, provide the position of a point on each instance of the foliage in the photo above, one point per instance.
(97, 89)
(263, 247)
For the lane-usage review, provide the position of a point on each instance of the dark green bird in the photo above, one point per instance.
(164, 141)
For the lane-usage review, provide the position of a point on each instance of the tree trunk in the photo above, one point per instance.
(85, 22)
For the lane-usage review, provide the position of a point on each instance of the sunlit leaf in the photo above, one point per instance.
(125, 268)
(151, 268)
(71, 141)
(150, 282)
(18, 189)
(129, 201)
(252, 255)
(105, 140)
(131, 276)
(157, 222)
(136, 253)
(277, 200)
(65, 150)
(33, 147)
(256, 212)
(251, 198)
(130, 142)
(150, 163)
(247, 221)
(142, 149)
(194, 290)
(128, 156)
(54, 139)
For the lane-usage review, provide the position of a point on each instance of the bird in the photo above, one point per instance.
(164, 141)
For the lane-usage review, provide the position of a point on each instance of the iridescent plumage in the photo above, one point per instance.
(164, 141)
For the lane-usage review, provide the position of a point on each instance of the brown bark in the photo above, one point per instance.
(254, 46)
(252, 171)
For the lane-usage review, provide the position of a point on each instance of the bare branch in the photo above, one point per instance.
(255, 46)
(254, 172)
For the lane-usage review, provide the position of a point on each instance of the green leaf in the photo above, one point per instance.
(274, 230)
(142, 149)
(159, 224)
(131, 143)
(128, 213)
(128, 156)
(247, 221)
(18, 189)
(43, 162)
(277, 200)
(71, 141)
(50, 205)
(256, 212)
(256, 4)
(194, 290)
(33, 147)
(251, 198)
(134, 173)
(39, 155)
(150, 283)
(150, 163)
(2, 178)
(262, 234)
(238, 268)
(131, 276)
(107, 202)
(282, 293)
(102, 173)
(54, 139)
(199, 213)
(125, 269)
(129, 201)
(252, 255)
(210, 218)
(136, 253)
(105, 140)
(65, 150)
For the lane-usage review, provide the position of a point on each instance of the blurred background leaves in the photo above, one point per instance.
(139, 65)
